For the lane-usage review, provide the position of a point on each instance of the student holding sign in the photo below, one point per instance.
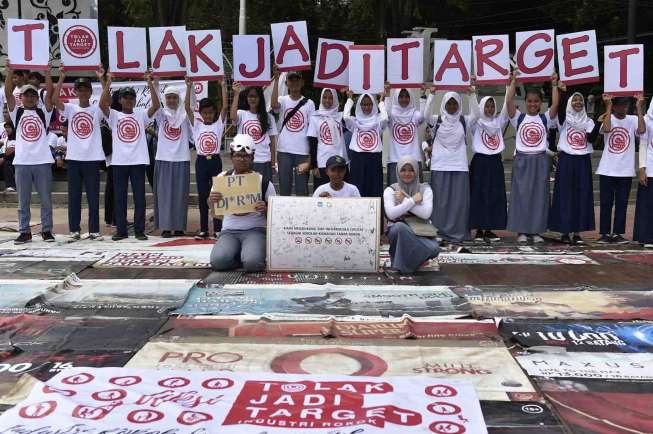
(33, 159)
(529, 190)
(643, 231)
(242, 240)
(130, 157)
(617, 166)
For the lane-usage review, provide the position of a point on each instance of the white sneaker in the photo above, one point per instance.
(648, 246)
(537, 239)
(522, 239)
(75, 236)
(10, 190)
(95, 236)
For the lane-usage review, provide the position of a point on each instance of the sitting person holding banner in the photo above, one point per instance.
(242, 239)
(408, 205)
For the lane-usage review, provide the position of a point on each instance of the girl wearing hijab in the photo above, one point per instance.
(572, 210)
(643, 231)
(325, 136)
(449, 168)
(488, 189)
(366, 142)
(408, 198)
(172, 168)
(404, 117)
(529, 188)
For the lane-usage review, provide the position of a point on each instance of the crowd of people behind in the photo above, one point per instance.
(341, 150)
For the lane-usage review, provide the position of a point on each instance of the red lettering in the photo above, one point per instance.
(366, 71)
(404, 56)
(169, 46)
(194, 357)
(483, 58)
(195, 52)
(568, 56)
(27, 29)
(170, 355)
(321, 73)
(546, 54)
(120, 47)
(291, 42)
(453, 59)
(242, 68)
(623, 63)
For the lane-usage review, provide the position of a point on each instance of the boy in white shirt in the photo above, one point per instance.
(336, 169)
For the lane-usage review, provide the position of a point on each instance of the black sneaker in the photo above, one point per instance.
(179, 234)
(491, 236)
(604, 239)
(618, 239)
(118, 237)
(576, 239)
(202, 236)
(479, 236)
(23, 238)
(140, 236)
(565, 239)
(166, 234)
(48, 237)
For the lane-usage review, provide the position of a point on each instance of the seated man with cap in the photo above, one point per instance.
(336, 169)
(242, 239)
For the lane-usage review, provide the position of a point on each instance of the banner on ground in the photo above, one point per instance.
(611, 366)
(16, 294)
(240, 193)
(321, 234)
(191, 402)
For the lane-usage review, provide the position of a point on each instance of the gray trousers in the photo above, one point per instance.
(288, 174)
(244, 248)
(41, 176)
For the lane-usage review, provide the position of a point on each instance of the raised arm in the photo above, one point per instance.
(510, 96)
(555, 96)
(607, 117)
(225, 99)
(155, 103)
(234, 103)
(9, 87)
(274, 101)
(562, 103)
(641, 125)
(383, 113)
(56, 94)
(105, 98)
(188, 101)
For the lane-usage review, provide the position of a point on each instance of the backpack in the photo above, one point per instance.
(20, 111)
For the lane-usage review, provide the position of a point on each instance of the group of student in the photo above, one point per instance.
(343, 152)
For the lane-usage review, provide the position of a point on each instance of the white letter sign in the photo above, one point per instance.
(252, 59)
(578, 60)
(127, 51)
(168, 51)
(80, 44)
(405, 62)
(291, 49)
(204, 61)
(491, 59)
(366, 68)
(28, 44)
(623, 69)
(534, 55)
(452, 64)
(332, 64)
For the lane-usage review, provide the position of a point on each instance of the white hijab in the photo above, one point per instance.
(175, 117)
(402, 114)
(576, 120)
(489, 124)
(450, 132)
(367, 122)
(331, 116)
(649, 112)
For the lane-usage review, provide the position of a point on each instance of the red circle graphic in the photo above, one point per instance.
(290, 363)
(618, 140)
(31, 128)
(490, 142)
(82, 125)
(531, 133)
(253, 129)
(403, 133)
(128, 129)
(79, 41)
(207, 142)
(296, 122)
(577, 139)
(171, 133)
(367, 140)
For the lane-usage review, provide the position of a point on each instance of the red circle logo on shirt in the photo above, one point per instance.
(31, 128)
(403, 133)
(296, 122)
(253, 129)
(576, 139)
(171, 133)
(207, 142)
(490, 142)
(128, 129)
(79, 41)
(367, 140)
(325, 134)
(618, 140)
(82, 125)
(531, 133)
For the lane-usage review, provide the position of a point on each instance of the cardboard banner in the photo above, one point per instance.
(79, 43)
(16, 294)
(239, 193)
(623, 69)
(491, 57)
(312, 234)
(405, 62)
(514, 259)
(332, 64)
(28, 44)
(534, 55)
(324, 301)
(205, 55)
(237, 403)
(291, 49)
(39, 269)
(611, 366)
(578, 58)
(366, 68)
(494, 372)
(252, 60)
(168, 51)
(189, 257)
(127, 51)
(452, 64)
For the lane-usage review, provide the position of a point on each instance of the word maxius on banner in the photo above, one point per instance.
(86, 399)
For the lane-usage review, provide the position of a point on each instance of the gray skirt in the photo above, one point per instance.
(171, 185)
(407, 250)
(451, 205)
(529, 194)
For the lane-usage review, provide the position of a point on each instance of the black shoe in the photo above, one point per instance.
(565, 239)
(479, 236)
(140, 236)
(618, 239)
(166, 234)
(118, 237)
(576, 239)
(604, 239)
(47, 237)
(491, 236)
(202, 236)
(23, 238)
(179, 234)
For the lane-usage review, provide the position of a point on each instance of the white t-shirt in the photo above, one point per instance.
(403, 138)
(208, 138)
(618, 157)
(250, 220)
(128, 137)
(574, 141)
(326, 148)
(32, 145)
(484, 143)
(347, 190)
(646, 146)
(172, 144)
(449, 159)
(3, 132)
(292, 137)
(368, 139)
(530, 135)
(84, 137)
(55, 140)
(248, 123)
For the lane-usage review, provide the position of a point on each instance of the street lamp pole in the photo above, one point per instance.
(242, 17)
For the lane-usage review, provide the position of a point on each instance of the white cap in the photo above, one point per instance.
(242, 142)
